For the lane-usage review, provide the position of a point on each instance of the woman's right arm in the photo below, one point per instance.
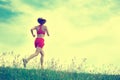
(47, 31)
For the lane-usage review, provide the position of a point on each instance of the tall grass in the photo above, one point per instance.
(11, 68)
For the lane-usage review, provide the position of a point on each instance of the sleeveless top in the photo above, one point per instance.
(40, 31)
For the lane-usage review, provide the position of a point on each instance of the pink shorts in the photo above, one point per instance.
(39, 42)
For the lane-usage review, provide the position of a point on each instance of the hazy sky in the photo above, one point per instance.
(78, 28)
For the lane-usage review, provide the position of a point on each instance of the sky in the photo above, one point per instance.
(78, 29)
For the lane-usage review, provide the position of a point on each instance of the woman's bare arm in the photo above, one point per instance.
(47, 31)
(34, 28)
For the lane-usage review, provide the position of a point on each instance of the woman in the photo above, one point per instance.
(39, 41)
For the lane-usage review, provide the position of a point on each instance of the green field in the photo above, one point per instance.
(7, 73)
(11, 69)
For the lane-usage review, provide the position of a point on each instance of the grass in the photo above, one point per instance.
(7, 73)
(11, 69)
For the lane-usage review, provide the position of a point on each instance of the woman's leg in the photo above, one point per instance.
(25, 61)
(34, 54)
(42, 58)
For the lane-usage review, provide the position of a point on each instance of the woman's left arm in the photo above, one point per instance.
(32, 30)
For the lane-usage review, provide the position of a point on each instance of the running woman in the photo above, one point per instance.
(41, 29)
